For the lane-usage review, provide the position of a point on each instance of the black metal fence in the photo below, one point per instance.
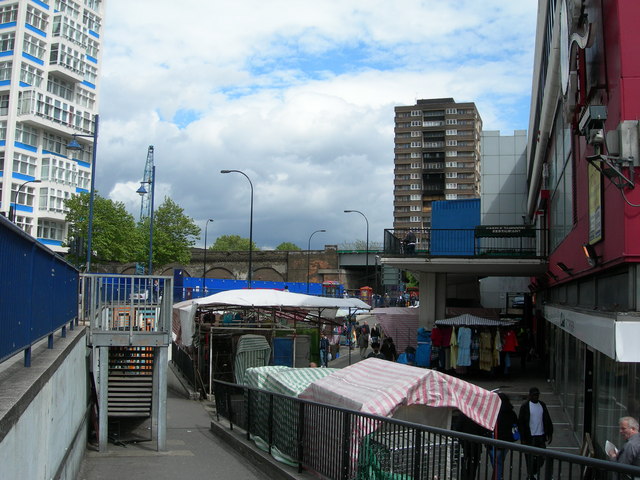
(181, 358)
(483, 240)
(342, 444)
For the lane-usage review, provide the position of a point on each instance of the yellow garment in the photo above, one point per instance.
(454, 348)
(497, 348)
(486, 358)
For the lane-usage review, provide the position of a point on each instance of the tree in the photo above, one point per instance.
(231, 243)
(288, 247)
(114, 236)
(174, 234)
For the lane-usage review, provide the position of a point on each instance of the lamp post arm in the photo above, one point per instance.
(249, 273)
(309, 257)
(366, 253)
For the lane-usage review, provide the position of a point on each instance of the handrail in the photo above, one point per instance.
(358, 445)
(38, 293)
(513, 241)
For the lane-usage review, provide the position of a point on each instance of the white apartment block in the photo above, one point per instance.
(50, 57)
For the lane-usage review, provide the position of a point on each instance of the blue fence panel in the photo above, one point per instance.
(38, 290)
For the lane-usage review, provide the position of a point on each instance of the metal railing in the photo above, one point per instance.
(515, 241)
(38, 292)
(136, 308)
(342, 444)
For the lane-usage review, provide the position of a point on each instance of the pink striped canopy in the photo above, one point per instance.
(380, 387)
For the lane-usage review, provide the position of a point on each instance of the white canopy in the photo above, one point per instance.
(322, 307)
(275, 298)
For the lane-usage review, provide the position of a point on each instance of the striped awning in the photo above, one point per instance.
(380, 387)
(468, 320)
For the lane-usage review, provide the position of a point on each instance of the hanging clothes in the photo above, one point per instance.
(475, 346)
(464, 347)
(510, 341)
(486, 356)
(497, 348)
(454, 349)
(423, 352)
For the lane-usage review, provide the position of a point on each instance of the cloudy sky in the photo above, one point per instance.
(299, 95)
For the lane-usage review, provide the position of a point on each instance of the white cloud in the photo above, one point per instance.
(299, 96)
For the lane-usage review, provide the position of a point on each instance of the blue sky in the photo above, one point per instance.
(299, 96)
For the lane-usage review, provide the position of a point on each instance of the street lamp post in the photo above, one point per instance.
(12, 213)
(367, 246)
(204, 263)
(249, 274)
(309, 256)
(143, 191)
(74, 145)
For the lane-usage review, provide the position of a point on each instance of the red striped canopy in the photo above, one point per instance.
(380, 387)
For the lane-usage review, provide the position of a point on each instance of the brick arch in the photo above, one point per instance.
(130, 270)
(220, 273)
(167, 272)
(267, 274)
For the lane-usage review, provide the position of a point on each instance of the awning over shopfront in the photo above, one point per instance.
(468, 320)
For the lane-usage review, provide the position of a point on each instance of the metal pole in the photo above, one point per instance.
(204, 263)
(249, 274)
(153, 188)
(309, 257)
(92, 191)
(367, 246)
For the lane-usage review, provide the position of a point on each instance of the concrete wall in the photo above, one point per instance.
(43, 410)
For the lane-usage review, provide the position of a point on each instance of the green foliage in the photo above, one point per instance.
(174, 234)
(232, 243)
(412, 281)
(288, 247)
(115, 237)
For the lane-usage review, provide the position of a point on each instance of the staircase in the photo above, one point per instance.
(130, 381)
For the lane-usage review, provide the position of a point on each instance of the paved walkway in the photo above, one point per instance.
(192, 451)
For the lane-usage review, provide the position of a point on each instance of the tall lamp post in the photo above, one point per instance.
(249, 274)
(309, 256)
(143, 191)
(12, 215)
(75, 146)
(204, 263)
(367, 247)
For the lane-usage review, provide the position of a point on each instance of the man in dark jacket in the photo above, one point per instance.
(536, 429)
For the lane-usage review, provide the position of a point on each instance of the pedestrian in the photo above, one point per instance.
(324, 350)
(409, 243)
(388, 349)
(506, 430)
(536, 429)
(375, 334)
(472, 450)
(629, 454)
(376, 351)
(363, 342)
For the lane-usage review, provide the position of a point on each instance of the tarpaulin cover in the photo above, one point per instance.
(469, 320)
(380, 387)
(252, 351)
(399, 323)
(287, 381)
